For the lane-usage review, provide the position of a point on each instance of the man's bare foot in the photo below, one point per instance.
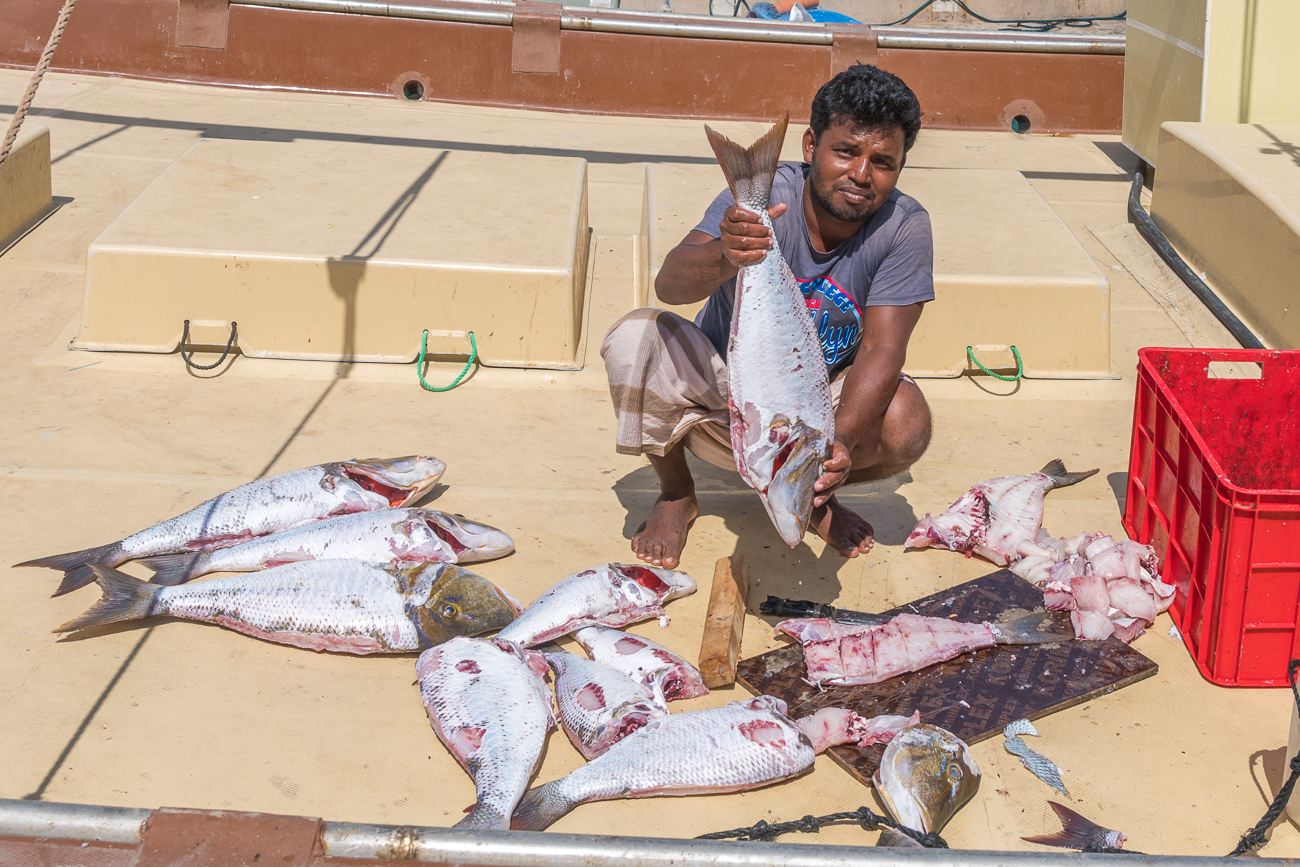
(659, 541)
(843, 529)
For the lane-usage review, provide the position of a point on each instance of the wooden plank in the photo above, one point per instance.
(725, 622)
(974, 695)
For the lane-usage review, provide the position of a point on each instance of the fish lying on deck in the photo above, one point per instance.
(338, 605)
(1079, 833)
(600, 706)
(384, 536)
(488, 702)
(998, 519)
(611, 595)
(925, 776)
(723, 749)
(851, 653)
(782, 422)
(642, 660)
(265, 506)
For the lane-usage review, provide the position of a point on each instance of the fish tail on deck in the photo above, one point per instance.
(484, 817)
(170, 569)
(1061, 478)
(125, 598)
(750, 170)
(75, 565)
(540, 808)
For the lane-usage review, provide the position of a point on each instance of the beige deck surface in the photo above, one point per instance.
(96, 446)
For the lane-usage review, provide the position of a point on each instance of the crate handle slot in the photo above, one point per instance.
(1234, 370)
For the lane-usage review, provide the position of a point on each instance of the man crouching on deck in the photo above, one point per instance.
(863, 256)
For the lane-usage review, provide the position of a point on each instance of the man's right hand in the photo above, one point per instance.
(745, 240)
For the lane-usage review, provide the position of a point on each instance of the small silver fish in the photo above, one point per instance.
(642, 660)
(339, 605)
(1039, 765)
(385, 536)
(1079, 833)
(261, 507)
(488, 702)
(611, 595)
(925, 776)
(600, 706)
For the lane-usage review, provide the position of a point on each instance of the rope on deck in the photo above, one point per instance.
(41, 65)
(1255, 836)
(765, 832)
(189, 359)
(419, 364)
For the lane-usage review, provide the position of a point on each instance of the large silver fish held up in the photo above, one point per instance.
(339, 605)
(782, 422)
(487, 700)
(400, 536)
(261, 507)
(925, 776)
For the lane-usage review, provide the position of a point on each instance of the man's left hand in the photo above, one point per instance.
(836, 473)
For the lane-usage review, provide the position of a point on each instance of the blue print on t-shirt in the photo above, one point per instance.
(836, 315)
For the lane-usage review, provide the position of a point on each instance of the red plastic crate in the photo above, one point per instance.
(1214, 486)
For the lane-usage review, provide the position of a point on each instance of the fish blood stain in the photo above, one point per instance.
(628, 646)
(468, 666)
(763, 733)
(590, 697)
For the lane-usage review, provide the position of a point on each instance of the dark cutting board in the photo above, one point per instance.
(1000, 684)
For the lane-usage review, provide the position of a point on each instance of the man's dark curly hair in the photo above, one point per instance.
(869, 97)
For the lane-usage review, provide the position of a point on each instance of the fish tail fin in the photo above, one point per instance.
(75, 565)
(484, 817)
(125, 598)
(169, 569)
(1032, 629)
(1077, 832)
(750, 170)
(540, 808)
(1060, 478)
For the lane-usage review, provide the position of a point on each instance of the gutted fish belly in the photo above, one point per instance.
(338, 605)
(488, 702)
(998, 519)
(383, 536)
(850, 654)
(261, 507)
(598, 705)
(642, 660)
(611, 595)
(782, 421)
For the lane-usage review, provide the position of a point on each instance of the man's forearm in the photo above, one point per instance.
(869, 387)
(692, 272)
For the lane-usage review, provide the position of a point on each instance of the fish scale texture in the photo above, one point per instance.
(724, 749)
(489, 704)
(383, 536)
(332, 604)
(264, 506)
(640, 658)
(598, 705)
(611, 595)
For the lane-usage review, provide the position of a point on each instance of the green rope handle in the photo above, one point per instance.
(1020, 366)
(419, 365)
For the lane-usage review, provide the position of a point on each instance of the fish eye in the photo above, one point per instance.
(954, 772)
(450, 610)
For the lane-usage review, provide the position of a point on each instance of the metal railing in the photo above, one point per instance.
(501, 12)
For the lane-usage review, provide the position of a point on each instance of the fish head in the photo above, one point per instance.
(469, 540)
(797, 453)
(664, 583)
(457, 602)
(398, 480)
(925, 776)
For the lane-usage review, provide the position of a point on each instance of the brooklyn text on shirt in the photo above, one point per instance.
(836, 314)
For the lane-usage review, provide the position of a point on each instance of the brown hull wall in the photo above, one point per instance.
(600, 73)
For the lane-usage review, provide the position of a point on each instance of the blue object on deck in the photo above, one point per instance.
(768, 11)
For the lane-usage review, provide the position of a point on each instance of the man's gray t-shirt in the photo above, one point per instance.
(888, 263)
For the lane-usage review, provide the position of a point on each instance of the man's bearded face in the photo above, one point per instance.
(854, 169)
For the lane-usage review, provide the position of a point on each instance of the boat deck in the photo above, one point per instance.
(95, 446)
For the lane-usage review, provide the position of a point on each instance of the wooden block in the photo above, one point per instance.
(725, 622)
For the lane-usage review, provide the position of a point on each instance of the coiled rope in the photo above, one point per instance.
(41, 65)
